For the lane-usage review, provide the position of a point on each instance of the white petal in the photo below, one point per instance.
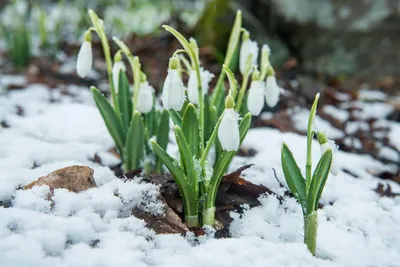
(193, 94)
(85, 60)
(145, 98)
(255, 99)
(206, 77)
(248, 48)
(117, 68)
(173, 91)
(228, 131)
(272, 91)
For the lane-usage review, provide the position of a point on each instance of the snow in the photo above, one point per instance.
(95, 227)
(300, 119)
(339, 114)
(371, 95)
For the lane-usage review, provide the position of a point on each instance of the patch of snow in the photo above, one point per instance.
(300, 119)
(368, 95)
(340, 115)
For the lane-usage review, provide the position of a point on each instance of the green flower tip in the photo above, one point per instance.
(256, 75)
(88, 36)
(143, 77)
(229, 102)
(173, 63)
(245, 35)
(137, 113)
(270, 71)
(322, 139)
(118, 56)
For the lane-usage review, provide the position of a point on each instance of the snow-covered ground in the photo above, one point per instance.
(94, 228)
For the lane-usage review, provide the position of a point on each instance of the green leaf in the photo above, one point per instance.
(179, 177)
(223, 162)
(293, 177)
(124, 99)
(318, 181)
(175, 117)
(111, 119)
(234, 38)
(187, 159)
(190, 129)
(135, 141)
(162, 136)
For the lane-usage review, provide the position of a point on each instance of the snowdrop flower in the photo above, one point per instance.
(145, 97)
(255, 99)
(228, 131)
(247, 48)
(85, 59)
(206, 77)
(326, 144)
(272, 91)
(117, 68)
(173, 90)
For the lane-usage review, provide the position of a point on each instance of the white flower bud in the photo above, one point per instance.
(331, 145)
(206, 77)
(145, 98)
(117, 68)
(173, 91)
(255, 99)
(85, 59)
(228, 131)
(272, 91)
(248, 48)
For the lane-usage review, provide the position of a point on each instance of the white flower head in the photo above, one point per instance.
(248, 48)
(117, 68)
(326, 144)
(272, 91)
(255, 99)
(206, 78)
(145, 97)
(228, 131)
(173, 95)
(84, 61)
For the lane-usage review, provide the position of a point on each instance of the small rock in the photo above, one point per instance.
(73, 178)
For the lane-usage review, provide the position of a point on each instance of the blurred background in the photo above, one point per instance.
(349, 50)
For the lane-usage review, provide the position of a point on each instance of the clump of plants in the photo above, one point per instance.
(308, 190)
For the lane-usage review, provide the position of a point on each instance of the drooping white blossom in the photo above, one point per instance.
(248, 48)
(206, 77)
(330, 144)
(117, 68)
(145, 97)
(272, 91)
(173, 91)
(85, 59)
(255, 99)
(228, 131)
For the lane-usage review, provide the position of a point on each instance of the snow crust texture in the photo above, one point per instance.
(95, 228)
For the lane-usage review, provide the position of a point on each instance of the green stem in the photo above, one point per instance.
(310, 231)
(242, 92)
(201, 104)
(107, 54)
(209, 216)
(218, 89)
(192, 220)
(210, 142)
(310, 133)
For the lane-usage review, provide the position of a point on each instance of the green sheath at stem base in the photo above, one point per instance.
(310, 231)
(192, 221)
(209, 216)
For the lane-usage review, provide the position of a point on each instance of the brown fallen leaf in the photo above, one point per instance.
(73, 178)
